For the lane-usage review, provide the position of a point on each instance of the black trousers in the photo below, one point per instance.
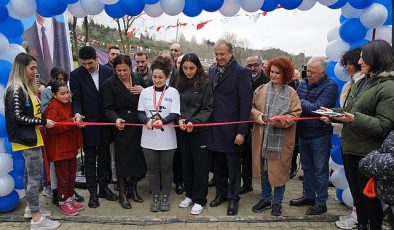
(177, 163)
(246, 162)
(195, 165)
(227, 169)
(368, 210)
(101, 155)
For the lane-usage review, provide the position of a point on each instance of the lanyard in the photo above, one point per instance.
(161, 98)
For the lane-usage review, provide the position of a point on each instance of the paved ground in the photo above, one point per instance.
(111, 216)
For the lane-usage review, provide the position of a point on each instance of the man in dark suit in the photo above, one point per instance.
(232, 91)
(86, 84)
(47, 42)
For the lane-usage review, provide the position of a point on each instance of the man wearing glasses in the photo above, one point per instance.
(255, 65)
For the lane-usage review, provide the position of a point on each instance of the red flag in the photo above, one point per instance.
(183, 24)
(264, 13)
(158, 28)
(130, 33)
(202, 24)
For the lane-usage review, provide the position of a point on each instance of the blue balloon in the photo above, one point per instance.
(290, 4)
(3, 14)
(5, 69)
(151, 2)
(269, 5)
(12, 28)
(16, 154)
(69, 1)
(132, 7)
(8, 146)
(19, 163)
(9, 202)
(335, 140)
(3, 131)
(352, 30)
(358, 43)
(18, 178)
(16, 40)
(115, 10)
(4, 2)
(360, 4)
(339, 4)
(211, 5)
(342, 19)
(383, 2)
(339, 192)
(330, 69)
(389, 20)
(49, 8)
(192, 8)
(336, 155)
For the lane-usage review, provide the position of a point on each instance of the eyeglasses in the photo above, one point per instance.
(253, 65)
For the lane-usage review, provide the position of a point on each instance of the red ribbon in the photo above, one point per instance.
(194, 125)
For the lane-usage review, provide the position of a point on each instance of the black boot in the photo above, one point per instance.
(122, 194)
(55, 200)
(133, 190)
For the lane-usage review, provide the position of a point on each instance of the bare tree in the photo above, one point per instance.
(123, 29)
(75, 37)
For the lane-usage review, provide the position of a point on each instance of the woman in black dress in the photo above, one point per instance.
(120, 100)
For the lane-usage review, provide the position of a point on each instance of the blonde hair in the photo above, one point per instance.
(18, 75)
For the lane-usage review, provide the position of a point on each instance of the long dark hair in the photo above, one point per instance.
(352, 56)
(379, 55)
(198, 80)
(122, 59)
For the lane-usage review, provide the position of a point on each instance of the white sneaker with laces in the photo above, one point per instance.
(47, 191)
(196, 209)
(185, 203)
(346, 222)
(43, 212)
(44, 223)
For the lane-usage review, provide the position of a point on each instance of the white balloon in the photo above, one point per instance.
(251, 5)
(347, 197)
(10, 54)
(153, 10)
(4, 44)
(172, 7)
(92, 7)
(338, 179)
(341, 73)
(76, 10)
(230, 8)
(2, 92)
(350, 12)
(382, 33)
(307, 5)
(333, 165)
(23, 8)
(374, 16)
(335, 49)
(327, 2)
(333, 34)
(2, 148)
(11, 13)
(109, 2)
(7, 184)
(6, 163)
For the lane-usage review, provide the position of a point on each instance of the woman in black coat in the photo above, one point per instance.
(120, 100)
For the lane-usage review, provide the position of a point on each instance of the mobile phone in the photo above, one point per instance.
(37, 79)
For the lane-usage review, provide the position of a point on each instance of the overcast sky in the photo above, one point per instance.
(293, 31)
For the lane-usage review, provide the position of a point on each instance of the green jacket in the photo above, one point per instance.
(373, 109)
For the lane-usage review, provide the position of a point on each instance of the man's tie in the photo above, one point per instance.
(46, 54)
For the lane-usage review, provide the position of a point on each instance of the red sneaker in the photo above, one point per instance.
(76, 205)
(67, 209)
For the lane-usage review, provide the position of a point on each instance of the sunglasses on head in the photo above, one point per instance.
(252, 65)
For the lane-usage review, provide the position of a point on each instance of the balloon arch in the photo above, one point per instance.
(361, 21)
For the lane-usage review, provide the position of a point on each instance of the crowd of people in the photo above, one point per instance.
(172, 99)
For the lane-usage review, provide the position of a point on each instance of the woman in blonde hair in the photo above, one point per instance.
(23, 118)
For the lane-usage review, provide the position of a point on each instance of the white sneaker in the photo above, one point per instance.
(185, 203)
(47, 191)
(44, 223)
(346, 222)
(43, 212)
(196, 209)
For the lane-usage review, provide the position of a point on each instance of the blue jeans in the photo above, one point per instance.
(315, 153)
(266, 193)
